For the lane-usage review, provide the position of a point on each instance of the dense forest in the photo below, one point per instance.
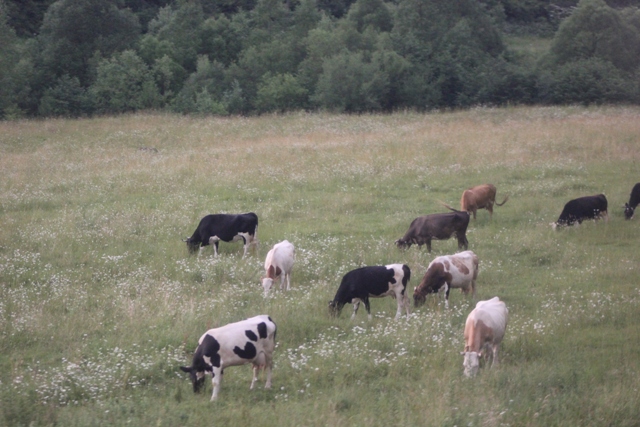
(78, 58)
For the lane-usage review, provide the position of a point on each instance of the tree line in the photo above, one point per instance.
(76, 58)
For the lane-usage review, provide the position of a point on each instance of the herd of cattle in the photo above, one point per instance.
(253, 340)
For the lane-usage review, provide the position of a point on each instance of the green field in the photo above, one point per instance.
(100, 302)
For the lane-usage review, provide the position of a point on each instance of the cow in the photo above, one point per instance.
(372, 282)
(248, 341)
(634, 200)
(279, 262)
(577, 210)
(226, 227)
(439, 226)
(480, 197)
(483, 331)
(448, 271)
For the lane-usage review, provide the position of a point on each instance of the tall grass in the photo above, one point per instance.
(100, 301)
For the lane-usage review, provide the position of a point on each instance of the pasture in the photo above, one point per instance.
(100, 302)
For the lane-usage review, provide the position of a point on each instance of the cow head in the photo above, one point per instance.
(334, 308)
(471, 363)
(628, 211)
(402, 244)
(193, 247)
(267, 282)
(434, 279)
(197, 378)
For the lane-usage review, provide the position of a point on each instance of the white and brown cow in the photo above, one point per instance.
(448, 271)
(483, 331)
(480, 197)
(248, 341)
(279, 263)
(372, 282)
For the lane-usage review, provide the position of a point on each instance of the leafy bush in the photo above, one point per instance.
(124, 83)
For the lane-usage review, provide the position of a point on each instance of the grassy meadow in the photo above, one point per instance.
(100, 302)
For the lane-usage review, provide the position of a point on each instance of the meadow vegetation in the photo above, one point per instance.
(100, 302)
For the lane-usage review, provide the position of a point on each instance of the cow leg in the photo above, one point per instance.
(368, 307)
(215, 248)
(267, 367)
(288, 276)
(256, 369)
(495, 356)
(216, 382)
(447, 289)
(429, 245)
(407, 303)
(356, 305)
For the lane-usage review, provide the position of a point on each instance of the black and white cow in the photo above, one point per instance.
(226, 227)
(248, 341)
(577, 210)
(634, 200)
(372, 282)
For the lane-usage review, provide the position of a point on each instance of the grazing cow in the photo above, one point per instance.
(225, 227)
(440, 226)
(485, 327)
(577, 210)
(372, 282)
(480, 197)
(248, 341)
(279, 262)
(634, 200)
(446, 272)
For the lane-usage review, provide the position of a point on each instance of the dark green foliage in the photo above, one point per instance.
(594, 57)
(280, 93)
(595, 30)
(73, 31)
(124, 83)
(256, 56)
(588, 81)
(67, 99)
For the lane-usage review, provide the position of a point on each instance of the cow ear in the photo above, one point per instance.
(462, 353)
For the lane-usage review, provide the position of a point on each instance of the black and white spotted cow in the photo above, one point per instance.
(248, 341)
(372, 282)
(226, 227)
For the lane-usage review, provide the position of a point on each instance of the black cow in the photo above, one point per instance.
(248, 341)
(225, 227)
(634, 200)
(372, 282)
(577, 210)
(440, 226)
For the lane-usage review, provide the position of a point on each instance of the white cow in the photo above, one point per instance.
(248, 341)
(279, 262)
(483, 331)
(448, 271)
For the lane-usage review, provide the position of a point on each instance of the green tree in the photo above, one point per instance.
(67, 99)
(9, 55)
(124, 83)
(207, 86)
(179, 27)
(595, 30)
(73, 31)
(280, 93)
(371, 14)
(350, 84)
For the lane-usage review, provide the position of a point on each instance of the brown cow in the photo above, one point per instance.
(480, 197)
